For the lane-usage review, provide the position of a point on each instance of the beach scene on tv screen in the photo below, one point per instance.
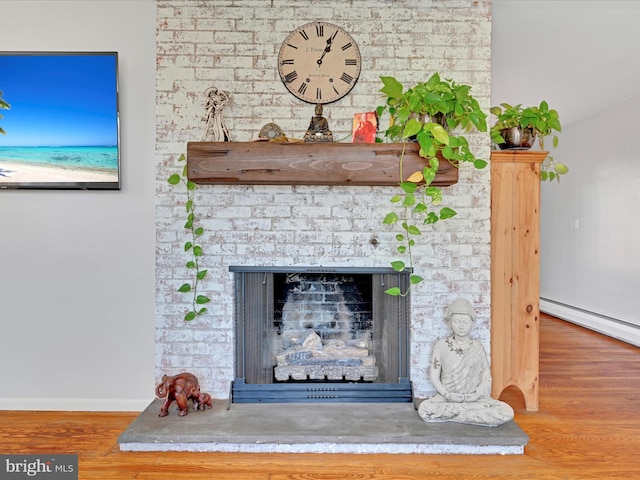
(59, 120)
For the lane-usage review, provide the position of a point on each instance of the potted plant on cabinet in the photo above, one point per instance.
(436, 114)
(517, 127)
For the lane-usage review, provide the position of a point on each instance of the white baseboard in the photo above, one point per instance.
(75, 404)
(605, 325)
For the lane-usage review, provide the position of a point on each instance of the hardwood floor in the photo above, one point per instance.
(588, 426)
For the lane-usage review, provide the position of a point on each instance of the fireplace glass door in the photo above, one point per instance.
(320, 330)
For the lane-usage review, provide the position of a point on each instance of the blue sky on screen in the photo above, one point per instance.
(59, 100)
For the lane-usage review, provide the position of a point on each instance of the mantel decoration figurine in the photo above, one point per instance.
(271, 131)
(215, 130)
(204, 402)
(181, 388)
(461, 375)
(318, 130)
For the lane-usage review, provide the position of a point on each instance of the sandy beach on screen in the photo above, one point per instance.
(18, 172)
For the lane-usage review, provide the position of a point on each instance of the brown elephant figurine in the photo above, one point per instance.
(180, 388)
(204, 401)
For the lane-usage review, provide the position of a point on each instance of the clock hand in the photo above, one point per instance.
(323, 54)
(328, 47)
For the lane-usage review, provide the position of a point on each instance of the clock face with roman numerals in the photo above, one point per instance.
(319, 62)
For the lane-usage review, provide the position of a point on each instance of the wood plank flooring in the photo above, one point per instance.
(588, 426)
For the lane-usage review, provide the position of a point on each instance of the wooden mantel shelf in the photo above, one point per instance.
(274, 163)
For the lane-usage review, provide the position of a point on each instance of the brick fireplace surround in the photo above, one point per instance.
(233, 45)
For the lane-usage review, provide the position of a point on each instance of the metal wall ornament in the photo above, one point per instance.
(271, 131)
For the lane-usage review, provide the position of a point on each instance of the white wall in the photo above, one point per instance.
(590, 238)
(77, 267)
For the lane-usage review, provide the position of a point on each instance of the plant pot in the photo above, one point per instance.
(438, 118)
(435, 118)
(517, 138)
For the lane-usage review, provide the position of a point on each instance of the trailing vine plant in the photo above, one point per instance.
(428, 113)
(191, 246)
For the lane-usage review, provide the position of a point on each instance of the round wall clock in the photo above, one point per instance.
(319, 62)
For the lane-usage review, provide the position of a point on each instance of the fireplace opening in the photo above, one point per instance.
(320, 334)
(324, 328)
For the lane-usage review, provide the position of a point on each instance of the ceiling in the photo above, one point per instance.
(580, 55)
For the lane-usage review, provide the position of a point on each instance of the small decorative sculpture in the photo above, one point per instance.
(461, 376)
(180, 388)
(204, 401)
(215, 130)
(318, 130)
(271, 131)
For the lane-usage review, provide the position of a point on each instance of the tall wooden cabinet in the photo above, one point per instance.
(515, 272)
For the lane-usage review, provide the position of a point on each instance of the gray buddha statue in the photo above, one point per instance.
(461, 376)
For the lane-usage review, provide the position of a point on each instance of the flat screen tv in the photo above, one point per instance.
(60, 122)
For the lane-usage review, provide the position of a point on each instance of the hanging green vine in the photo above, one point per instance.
(428, 113)
(191, 246)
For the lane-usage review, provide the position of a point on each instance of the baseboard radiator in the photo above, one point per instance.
(604, 324)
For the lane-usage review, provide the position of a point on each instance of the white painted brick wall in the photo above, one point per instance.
(233, 45)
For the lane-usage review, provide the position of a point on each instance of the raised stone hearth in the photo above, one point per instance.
(393, 428)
